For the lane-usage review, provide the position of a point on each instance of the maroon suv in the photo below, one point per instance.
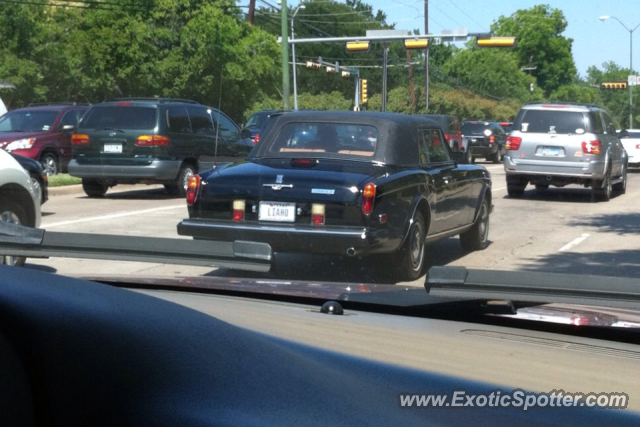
(41, 132)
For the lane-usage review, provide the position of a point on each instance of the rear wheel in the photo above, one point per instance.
(94, 188)
(49, 162)
(515, 190)
(495, 157)
(542, 187)
(477, 237)
(468, 158)
(409, 260)
(179, 188)
(13, 213)
(602, 189)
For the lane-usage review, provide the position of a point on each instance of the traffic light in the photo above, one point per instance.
(331, 69)
(416, 44)
(346, 74)
(313, 65)
(363, 91)
(496, 42)
(613, 85)
(358, 46)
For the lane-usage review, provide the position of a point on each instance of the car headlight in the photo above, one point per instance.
(21, 144)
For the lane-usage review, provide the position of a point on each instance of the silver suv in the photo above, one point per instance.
(564, 143)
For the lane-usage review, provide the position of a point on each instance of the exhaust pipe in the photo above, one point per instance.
(351, 252)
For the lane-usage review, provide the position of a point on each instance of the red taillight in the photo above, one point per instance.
(591, 147)
(192, 189)
(637, 146)
(447, 137)
(152, 141)
(256, 139)
(492, 139)
(238, 210)
(513, 143)
(123, 104)
(504, 124)
(79, 139)
(579, 321)
(317, 214)
(303, 163)
(368, 196)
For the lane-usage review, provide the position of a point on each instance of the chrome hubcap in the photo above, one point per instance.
(417, 246)
(12, 218)
(49, 165)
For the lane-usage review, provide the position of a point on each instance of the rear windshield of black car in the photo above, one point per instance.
(257, 121)
(120, 117)
(474, 128)
(553, 122)
(326, 140)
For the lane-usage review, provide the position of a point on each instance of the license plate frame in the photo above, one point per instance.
(287, 212)
(112, 148)
(550, 151)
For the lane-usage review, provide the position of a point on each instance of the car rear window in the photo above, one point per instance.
(474, 128)
(120, 117)
(325, 140)
(562, 122)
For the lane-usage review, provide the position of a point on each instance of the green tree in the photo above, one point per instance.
(538, 31)
(616, 102)
(575, 93)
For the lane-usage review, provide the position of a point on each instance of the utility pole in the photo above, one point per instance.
(252, 10)
(384, 76)
(285, 55)
(411, 88)
(426, 57)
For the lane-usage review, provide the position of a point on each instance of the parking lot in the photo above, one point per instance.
(560, 230)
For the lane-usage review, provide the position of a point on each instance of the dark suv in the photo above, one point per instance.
(42, 133)
(450, 126)
(152, 141)
(484, 139)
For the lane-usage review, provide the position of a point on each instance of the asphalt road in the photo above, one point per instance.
(559, 230)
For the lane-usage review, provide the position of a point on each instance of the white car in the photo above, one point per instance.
(630, 139)
(19, 199)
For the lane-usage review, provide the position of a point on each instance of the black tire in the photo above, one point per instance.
(621, 187)
(179, 188)
(542, 187)
(50, 164)
(468, 158)
(515, 190)
(477, 237)
(94, 188)
(602, 189)
(409, 260)
(495, 157)
(14, 213)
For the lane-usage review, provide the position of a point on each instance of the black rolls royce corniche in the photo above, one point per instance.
(352, 183)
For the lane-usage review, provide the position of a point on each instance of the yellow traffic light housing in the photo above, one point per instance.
(346, 74)
(313, 65)
(416, 44)
(496, 42)
(363, 91)
(358, 46)
(614, 85)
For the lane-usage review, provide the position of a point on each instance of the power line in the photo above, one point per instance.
(465, 14)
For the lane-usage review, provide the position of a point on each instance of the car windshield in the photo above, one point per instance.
(553, 122)
(28, 121)
(325, 140)
(474, 128)
(119, 117)
(257, 120)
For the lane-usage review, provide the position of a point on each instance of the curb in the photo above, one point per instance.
(65, 190)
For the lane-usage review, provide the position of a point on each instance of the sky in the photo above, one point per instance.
(594, 41)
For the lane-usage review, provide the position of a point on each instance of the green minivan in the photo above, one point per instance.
(152, 141)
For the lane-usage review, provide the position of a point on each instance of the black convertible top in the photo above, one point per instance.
(397, 133)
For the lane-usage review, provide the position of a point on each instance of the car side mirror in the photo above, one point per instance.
(458, 156)
(245, 133)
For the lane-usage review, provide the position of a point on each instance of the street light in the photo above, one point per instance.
(293, 53)
(604, 18)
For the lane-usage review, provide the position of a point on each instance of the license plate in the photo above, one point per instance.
(113, 148)
(275, 211)
(550, 151)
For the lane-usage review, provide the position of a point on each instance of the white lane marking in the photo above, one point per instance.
(495, 167)
(498, 189)
(111, 216)
(574, 242)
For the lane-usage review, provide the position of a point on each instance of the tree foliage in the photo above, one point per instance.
(538, 31)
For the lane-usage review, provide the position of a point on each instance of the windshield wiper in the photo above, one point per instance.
(487, 285)
(18, 240)
(115, 129)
